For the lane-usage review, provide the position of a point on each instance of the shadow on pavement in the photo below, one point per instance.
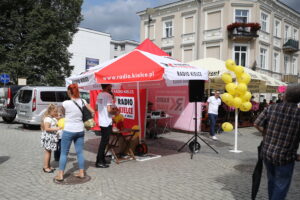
(27, 127)
(162, 146)
(3, 159)
(239, 183)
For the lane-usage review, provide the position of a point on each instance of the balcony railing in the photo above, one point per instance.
(243, 31)
(291, 46)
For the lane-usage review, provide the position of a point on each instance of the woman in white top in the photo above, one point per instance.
(73, 131)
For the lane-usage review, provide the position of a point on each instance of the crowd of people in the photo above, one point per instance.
(57, 137)
(278, 122)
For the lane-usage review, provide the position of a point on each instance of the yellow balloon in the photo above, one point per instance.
(231, 103)
(226, 77)
(61, 123)
(238, 70)
(230, 64)
(246, 106)
(230, 88)
(226, 98)
(241, 88)
(237, 101)
(244, 78)
(247, 96)
(227, 127)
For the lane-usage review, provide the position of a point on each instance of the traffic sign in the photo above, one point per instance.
(4, 78)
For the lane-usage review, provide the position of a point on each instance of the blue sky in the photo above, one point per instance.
(118, 17)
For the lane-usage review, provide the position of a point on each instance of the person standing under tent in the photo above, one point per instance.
(280, 126)
(213, 106)
(106, 110)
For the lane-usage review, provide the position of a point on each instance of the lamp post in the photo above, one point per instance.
(149, 12)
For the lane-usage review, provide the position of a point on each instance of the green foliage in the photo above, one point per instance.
(34, 37)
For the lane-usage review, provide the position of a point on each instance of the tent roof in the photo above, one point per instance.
(148, 46)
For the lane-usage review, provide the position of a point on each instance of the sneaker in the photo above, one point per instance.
(214, 137)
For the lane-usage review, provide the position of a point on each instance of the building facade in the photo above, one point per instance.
(118, 47)
(89, 48)
(259, 34)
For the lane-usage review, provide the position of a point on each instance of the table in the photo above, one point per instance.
(153, 130)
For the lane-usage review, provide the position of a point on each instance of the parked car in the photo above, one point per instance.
(32, 102)
(7, 107)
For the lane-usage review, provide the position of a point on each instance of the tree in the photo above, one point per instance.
(34, 37)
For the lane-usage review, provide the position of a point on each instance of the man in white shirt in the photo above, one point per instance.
(213, 105)
(106, 111)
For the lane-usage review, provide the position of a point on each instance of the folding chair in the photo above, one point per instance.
(125, 135)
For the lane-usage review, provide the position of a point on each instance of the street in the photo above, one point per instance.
(173, 176)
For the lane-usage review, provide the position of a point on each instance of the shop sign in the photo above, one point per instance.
(126, 106)
(91, 62)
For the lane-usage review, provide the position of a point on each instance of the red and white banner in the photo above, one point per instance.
(126, 101)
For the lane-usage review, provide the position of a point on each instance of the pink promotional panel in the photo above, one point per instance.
(174, 101)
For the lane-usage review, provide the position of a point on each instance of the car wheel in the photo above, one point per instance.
(8, 119)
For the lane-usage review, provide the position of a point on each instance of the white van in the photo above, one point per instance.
(32, 102)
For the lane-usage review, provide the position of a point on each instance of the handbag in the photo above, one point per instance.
(87, 117)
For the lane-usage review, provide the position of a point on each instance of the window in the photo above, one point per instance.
(295, 34)
(122, 47)
(168, 29)
(240, 55)
(277, 28)
(213, 20)
(116, 47)
(48, 96)
(150, 31)
(213, 52)
(61, 96)
(294, 67)
(263, 58)
(25, 96)
(189, 24)
(286, 33)
(187, 55)
(276, 62)
(286, 65)
(85, 96)
(241, 16)
(264, 22)
(168, 51)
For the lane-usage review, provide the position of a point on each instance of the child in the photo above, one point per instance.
(49, 137)
(118, 121)
(60, 124)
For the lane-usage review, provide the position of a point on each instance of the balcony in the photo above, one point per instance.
(291, 46)
(243, 31)
(290, 78)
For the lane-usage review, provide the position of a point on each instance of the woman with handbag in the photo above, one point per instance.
(73, 131)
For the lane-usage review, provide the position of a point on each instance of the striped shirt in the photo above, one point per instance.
(281, 123)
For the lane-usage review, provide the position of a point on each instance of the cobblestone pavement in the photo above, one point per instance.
(173, 176)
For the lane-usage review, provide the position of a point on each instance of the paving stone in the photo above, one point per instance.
(174, 176)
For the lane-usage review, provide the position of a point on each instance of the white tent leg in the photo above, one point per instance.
(235, 150)
(139, 109)
(145, 116)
